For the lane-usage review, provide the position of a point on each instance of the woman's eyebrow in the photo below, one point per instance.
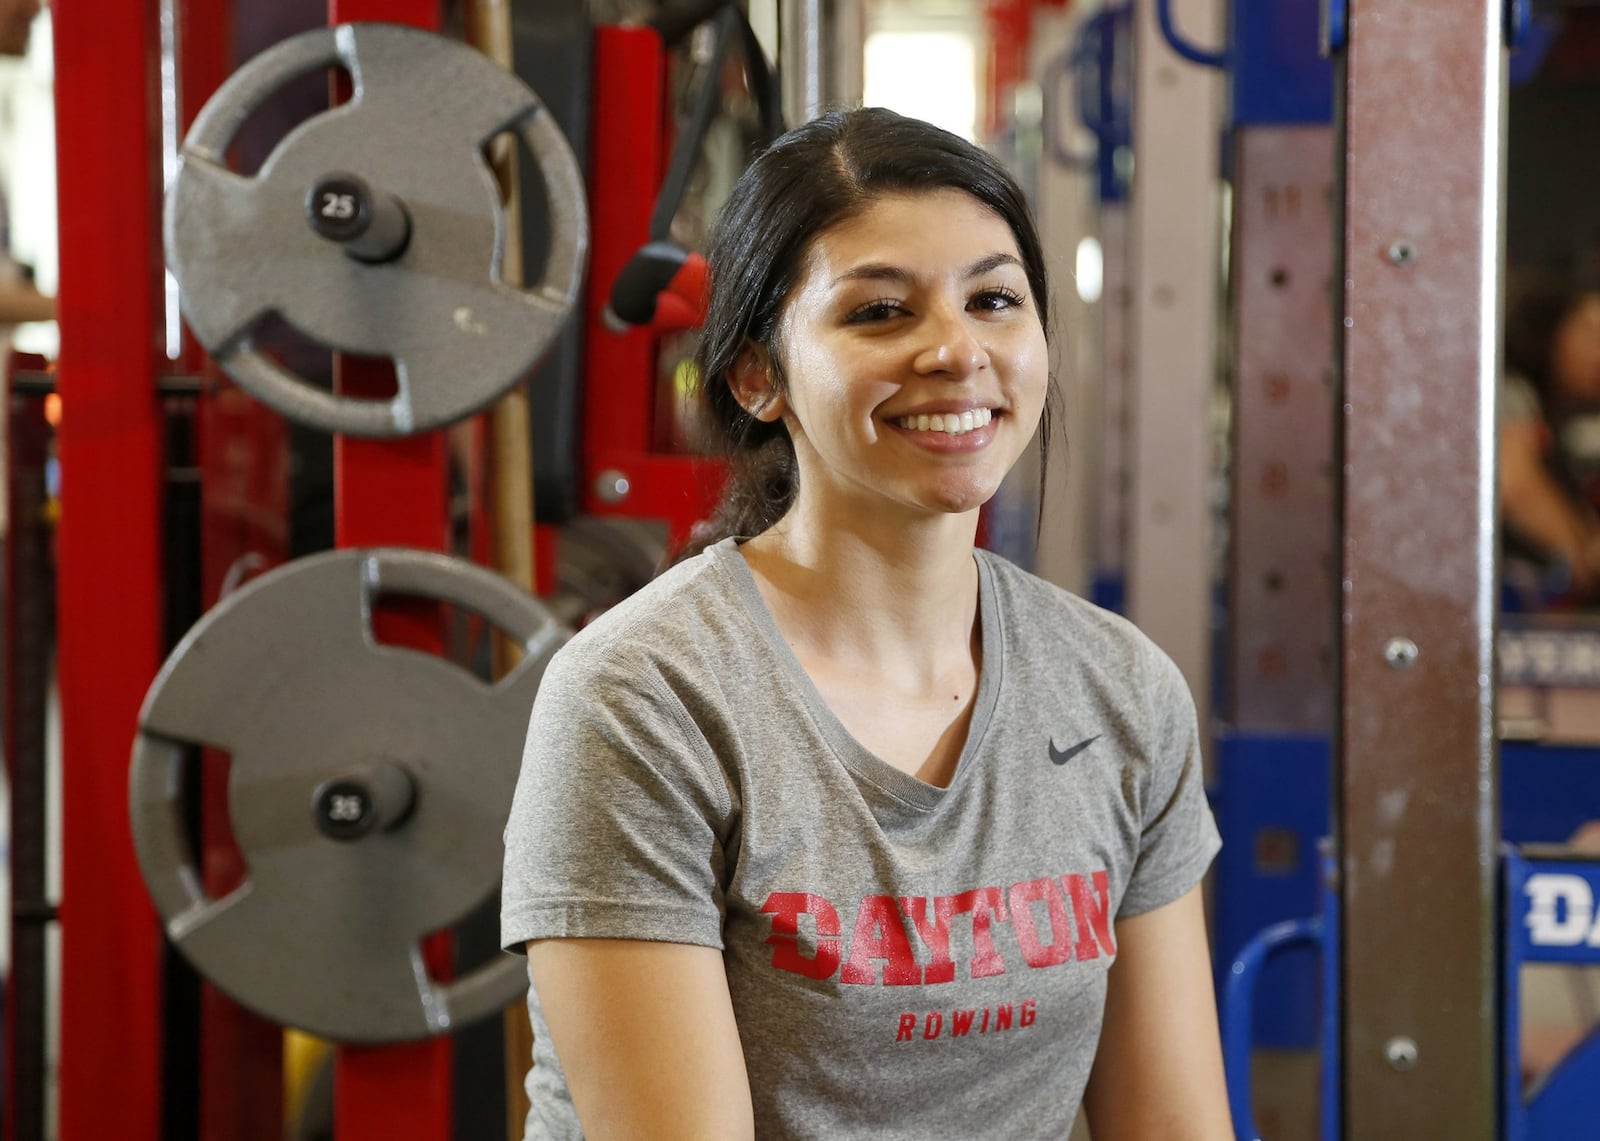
(875, 271)
(992, 262)
(882, 271)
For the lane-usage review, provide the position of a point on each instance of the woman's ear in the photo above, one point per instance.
(754, 386)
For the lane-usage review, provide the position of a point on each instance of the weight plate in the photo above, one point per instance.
(286, 676)
(423, 110)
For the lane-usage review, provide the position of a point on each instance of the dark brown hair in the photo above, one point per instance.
(811, 179)
(1538, 302)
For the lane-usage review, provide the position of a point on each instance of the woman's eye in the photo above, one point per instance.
(878, 310)
(996, 299)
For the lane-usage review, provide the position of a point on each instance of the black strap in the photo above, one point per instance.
(673, 22)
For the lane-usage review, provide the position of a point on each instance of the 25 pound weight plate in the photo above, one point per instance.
(375, 228)
(368, 788)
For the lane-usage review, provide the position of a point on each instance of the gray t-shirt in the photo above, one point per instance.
(904, 960)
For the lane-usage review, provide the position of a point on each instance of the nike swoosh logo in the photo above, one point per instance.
(1062, 756)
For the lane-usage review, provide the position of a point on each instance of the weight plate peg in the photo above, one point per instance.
(371, 226)
(375, 798)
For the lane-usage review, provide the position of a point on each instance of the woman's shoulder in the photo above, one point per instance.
(1036, 607)
(1519, 399)
(684, 608)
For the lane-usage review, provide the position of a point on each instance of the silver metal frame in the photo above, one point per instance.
(1065, 204)
(1417, 805)
(1175, 273)
(821, 46)
(1281, 565)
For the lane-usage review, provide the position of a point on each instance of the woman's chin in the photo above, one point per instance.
(962, 498)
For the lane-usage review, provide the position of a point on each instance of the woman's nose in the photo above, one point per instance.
(952, 347)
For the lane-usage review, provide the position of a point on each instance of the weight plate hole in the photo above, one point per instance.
(466, 945)
(285, 109)
(452, 632)
(281, 341)
(531, 193)
(371, 378)
(205, 796)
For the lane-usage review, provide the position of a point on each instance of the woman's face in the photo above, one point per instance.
(915, 358)
(1575, 354)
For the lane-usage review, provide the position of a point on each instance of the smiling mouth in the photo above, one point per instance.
(950, 423)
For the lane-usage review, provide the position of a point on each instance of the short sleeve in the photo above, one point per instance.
(616, 829)
(1178, 835)
(1519, 402)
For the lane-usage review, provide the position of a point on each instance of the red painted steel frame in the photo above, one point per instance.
(110, 581)
(626, 159)
(391, 492)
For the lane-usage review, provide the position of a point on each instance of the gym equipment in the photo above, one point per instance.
(1547, 916)
(367, 791)
(663, 285)
(375, 228)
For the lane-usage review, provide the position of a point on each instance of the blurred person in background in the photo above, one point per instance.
(19, 300)
(1550, 437)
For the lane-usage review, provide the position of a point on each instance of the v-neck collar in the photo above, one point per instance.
(864, 765)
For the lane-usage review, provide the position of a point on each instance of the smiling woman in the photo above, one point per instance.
(872, 351)
(843, 827)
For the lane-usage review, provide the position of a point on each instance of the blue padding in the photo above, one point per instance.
(1568, 1104)
(1548, 916)
(1527, 57)
(1238, 1009)
(1109, 591)
(1332, 970)
(1280, 76)
(1547, 791)
(1272, 809)
(1275, 788)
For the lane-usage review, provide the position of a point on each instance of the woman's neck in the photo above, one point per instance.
(875, 599)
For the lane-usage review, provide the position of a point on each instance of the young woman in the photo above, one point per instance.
(843, 828)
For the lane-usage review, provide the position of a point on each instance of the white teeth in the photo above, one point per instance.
(950, 423)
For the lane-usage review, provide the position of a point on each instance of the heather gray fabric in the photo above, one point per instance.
(905, 961)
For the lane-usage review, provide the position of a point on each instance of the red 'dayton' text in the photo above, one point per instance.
(1075, 925)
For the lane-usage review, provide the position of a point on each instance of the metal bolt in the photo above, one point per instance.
(1401, 653)
(1402, 1053)
(612, 486)
(1402, 253)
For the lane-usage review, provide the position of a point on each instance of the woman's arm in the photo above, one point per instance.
(22, 302)
(646, 1037)
(1539, 509)
(1158, 1073)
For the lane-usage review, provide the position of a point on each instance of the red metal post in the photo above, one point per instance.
(110, 581)
(244, 521)
(391, 492)
(623, 474)
(625, 165)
